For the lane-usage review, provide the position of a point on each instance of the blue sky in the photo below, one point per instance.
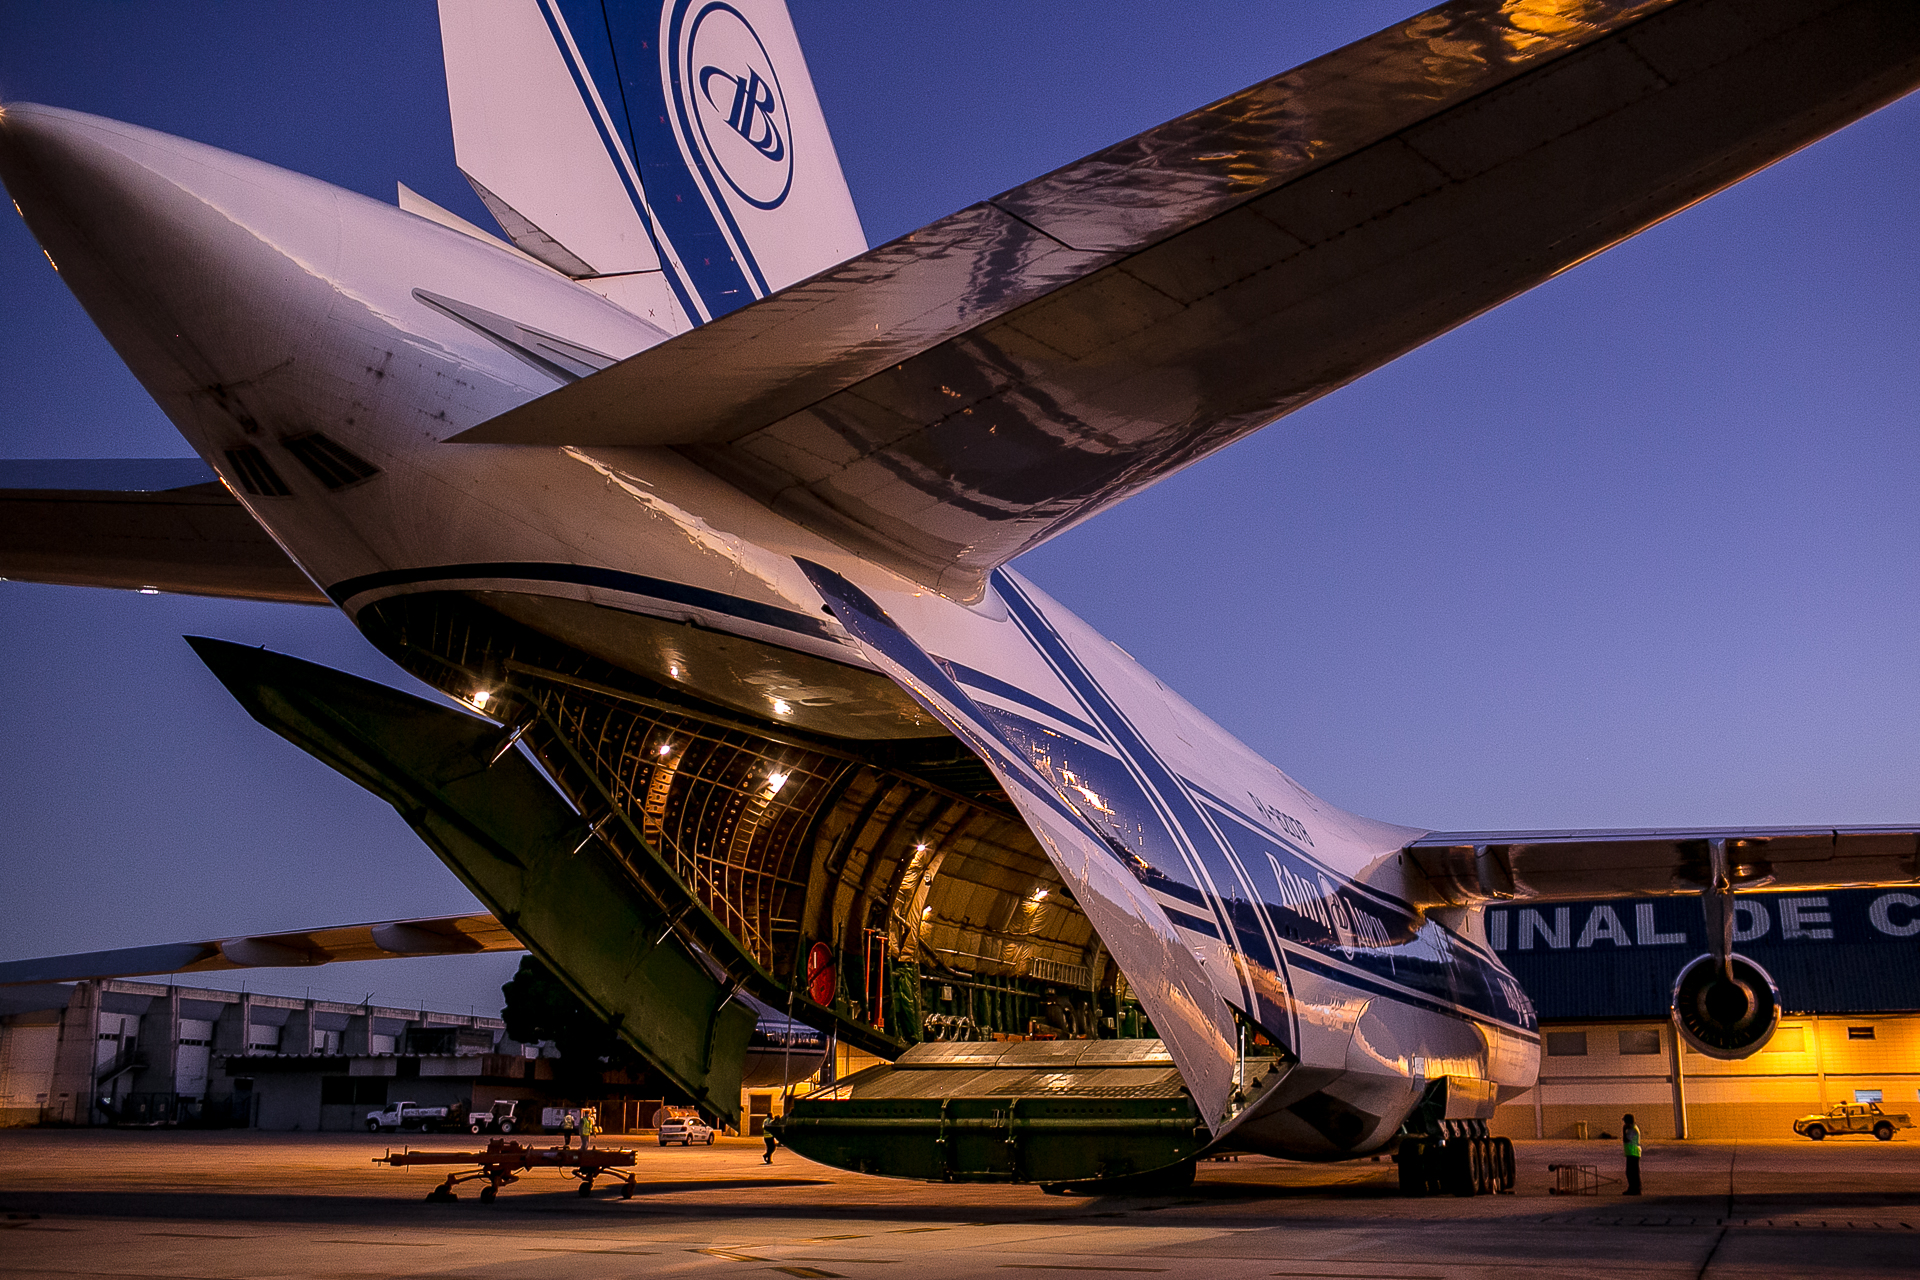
(1633, 550)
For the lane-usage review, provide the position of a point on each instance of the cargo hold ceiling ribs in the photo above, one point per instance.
(765, 841)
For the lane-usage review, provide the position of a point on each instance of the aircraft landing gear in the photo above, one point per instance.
(1464, 1163)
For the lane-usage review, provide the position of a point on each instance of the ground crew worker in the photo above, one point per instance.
(772, 1142)
(589, 1125)
(569, 1124)
(1630, 1140)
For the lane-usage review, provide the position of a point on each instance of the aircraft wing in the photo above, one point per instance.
(1482, 866)
(384, 940)
(151, 523)
(948, 400)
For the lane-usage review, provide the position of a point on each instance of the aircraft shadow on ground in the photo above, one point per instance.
(402, 1204)
(405, 1205)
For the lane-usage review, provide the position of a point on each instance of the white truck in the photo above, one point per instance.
(411, 1115)
(501, 1119)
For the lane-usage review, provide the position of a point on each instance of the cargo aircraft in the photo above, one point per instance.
(702, 509)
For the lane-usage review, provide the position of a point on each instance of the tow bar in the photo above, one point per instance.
(503, 1162)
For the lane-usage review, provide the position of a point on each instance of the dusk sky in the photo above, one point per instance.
(1636, 549)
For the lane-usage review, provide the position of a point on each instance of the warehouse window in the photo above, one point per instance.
(430, 1040)
(1860, 1033)
(1640, 1042)
(1867, 1095)
(1566, 1044)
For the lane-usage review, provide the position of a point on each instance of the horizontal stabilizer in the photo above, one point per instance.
(948, 400)
(1484, 866)
(383, 940)
(160, 524)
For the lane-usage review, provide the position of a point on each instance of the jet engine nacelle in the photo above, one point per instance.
(1725, 1017)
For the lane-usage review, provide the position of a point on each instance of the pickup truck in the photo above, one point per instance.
(411, 1115)
(1854, 1117)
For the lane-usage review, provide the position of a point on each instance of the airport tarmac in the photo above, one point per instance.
(245, 1204)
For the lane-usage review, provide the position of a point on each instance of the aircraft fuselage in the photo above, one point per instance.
(317, 348)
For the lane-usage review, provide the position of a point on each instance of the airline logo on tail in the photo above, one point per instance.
(738, 113)
(671, 154)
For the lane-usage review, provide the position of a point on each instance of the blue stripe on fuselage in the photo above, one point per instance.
(586, 575)
(1172, 805)
(1014, 693)
(1400, 949)
(1439, 1002)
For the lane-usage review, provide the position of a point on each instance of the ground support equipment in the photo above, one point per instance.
(1574, 1180)
(503, 1162)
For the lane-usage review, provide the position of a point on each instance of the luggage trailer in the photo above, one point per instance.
(503, 1162)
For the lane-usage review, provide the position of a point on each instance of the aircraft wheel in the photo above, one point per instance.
(1817, 1132)
(1883, 1131)
(626, 1192)
(586, 1188)
(1509, 1174)
(1458, 1161)
(1412, 1159)
(487, 1194)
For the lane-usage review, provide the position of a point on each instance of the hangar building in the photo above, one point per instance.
(119, 1052)
(1601, 976)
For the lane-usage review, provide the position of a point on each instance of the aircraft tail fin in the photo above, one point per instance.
(669, 154)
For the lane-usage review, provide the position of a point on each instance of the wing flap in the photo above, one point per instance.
(194, 540)
(949, 400)
(1484, 866)
(382, 940)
